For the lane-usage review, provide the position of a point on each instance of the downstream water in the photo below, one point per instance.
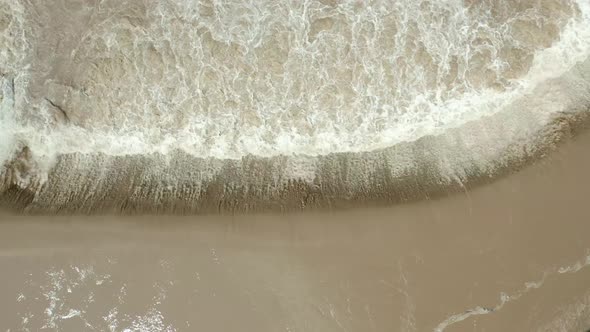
(208, 106)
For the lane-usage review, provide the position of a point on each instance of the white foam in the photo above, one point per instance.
(505, 298)
(7, 123)
(13, 67)
(380, 123)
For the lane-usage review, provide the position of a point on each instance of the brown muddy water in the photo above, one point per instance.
(199, 165)
(509, 256)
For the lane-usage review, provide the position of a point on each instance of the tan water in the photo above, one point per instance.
(509, 256)
(331, 165)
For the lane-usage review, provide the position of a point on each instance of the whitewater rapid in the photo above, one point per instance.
(170, 97)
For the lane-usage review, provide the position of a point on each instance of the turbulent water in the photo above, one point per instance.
(208, 105)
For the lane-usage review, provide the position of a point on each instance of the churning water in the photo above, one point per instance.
(244, 105)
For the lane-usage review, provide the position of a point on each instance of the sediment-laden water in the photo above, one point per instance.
(224, 106)
(509, 256)
(213, 106)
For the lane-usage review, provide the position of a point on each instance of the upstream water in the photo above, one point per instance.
(179, 95)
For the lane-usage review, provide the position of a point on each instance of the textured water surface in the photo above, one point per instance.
(237, 105)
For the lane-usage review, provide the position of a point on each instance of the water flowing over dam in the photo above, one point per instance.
(227, 106)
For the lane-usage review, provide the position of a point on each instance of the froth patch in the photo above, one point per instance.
(265, 78)
(182, 183)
